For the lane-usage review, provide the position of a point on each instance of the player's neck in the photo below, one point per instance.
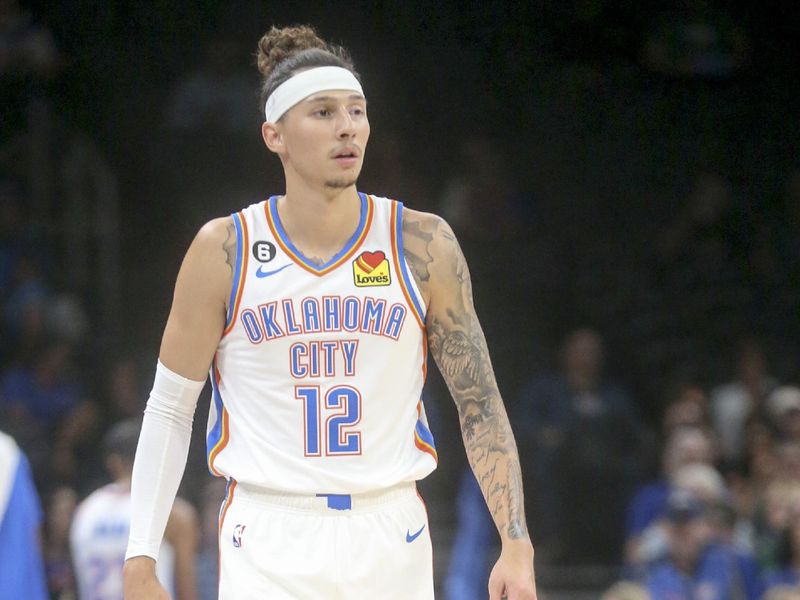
(319, 222)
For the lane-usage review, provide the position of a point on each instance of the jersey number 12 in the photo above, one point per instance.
(342, 407)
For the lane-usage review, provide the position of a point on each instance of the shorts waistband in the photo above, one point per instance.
(325, 502)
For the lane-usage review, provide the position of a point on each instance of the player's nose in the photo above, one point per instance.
(345, 126)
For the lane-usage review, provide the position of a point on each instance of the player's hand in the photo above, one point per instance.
(140, 581)
(512, 576)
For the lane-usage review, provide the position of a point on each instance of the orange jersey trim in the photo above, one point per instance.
(223, 440)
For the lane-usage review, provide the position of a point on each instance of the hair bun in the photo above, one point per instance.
(279, 44)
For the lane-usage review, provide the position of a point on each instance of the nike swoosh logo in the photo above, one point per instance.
(411, 537)
(260, 274)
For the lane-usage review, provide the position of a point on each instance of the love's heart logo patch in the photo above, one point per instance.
(371, 269)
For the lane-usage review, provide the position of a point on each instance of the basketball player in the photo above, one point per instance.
(314, 311)
(99, 531)
(22, 571)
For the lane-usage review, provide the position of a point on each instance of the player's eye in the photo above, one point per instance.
(322, 112)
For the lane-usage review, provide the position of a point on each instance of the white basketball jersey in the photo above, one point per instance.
(98, 540)
(318, 376)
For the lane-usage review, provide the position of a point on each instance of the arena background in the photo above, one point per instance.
(626, 167)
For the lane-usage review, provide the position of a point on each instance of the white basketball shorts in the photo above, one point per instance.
(370, 546)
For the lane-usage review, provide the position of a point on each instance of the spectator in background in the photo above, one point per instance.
(21, 566)
(99, 531)
(24, 292)
(705, 485)
(209, 108)
(772, 519)
(784, 409)
(216, 96)
(685, 445)
(470, 564)
(787, 571)
(13, 234)
(696, 40)
(625, 590)
(788, 452)
(783, 592)
(733, 403)
(117, 395)
(208, 558)
(25, 47)
(58, 562)
(687, 408)
(696, 566)
(42, 401)
(483, 173)
(586, 441)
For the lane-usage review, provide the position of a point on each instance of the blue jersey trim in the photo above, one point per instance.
(402, 260)
(276, 219)
(425, 434)
(237, 272)
(215, 435)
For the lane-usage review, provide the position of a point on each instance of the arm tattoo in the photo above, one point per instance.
(459, 348)
(416, 249)
(229, 246)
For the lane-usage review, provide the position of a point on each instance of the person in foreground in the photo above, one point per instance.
(314, 312)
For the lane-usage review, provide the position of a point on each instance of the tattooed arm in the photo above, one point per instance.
(457, 344)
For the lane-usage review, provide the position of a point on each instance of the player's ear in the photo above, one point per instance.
(273, 138)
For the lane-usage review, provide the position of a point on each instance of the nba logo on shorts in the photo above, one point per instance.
(371, 269)
(238, 531)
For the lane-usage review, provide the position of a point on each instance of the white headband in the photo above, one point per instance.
(305, 83)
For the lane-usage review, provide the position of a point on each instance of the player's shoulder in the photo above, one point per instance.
(414, 220)
(428, 229)
(215, 230)
(215, 235)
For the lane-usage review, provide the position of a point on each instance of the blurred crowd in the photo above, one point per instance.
(720, 519)
(648, 355)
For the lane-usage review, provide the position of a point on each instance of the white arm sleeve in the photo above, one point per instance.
(160, 458)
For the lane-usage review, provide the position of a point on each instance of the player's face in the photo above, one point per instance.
(325, 136)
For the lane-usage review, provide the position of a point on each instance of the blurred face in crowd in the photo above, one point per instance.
(626, 591)
(583, 356)
(687, 446)
(687, 537)
(687, 409)
(702, 481)
(780, 502)
(782, 592)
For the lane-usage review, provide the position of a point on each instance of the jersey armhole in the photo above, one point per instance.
(239, 271)
(407, 283)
